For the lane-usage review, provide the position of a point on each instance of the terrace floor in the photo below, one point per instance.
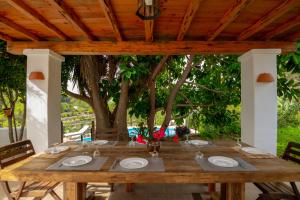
(156, 192)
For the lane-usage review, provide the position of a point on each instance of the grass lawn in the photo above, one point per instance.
(285, 135)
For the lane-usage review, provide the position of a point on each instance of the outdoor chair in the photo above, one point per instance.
(106, 134)
(17, 152)
(280, 190)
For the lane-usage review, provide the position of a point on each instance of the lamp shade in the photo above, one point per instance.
(148, 9)
(36, 76)
(265, 78)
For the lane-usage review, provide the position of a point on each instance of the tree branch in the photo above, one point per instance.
(152, 96)
(183, 116)
(78, 96)
(159, 67)
(193, 105)
(204, 87)
(174, 91)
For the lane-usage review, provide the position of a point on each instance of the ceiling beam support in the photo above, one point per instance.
(149, 26)
(228, 17)
(28, 11)
(188, 18)
(110, 16)
(19, 29)
(72, 17)
(268, 19)
(149, 48)
(287, 25)
(5, 37)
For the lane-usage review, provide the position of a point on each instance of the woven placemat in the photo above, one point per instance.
(243, 165)
(95, 165)
(258, 156)
(154, 165)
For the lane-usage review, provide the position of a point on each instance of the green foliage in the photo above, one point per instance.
(75, 114)
(288, 113)
(288, 68)
(284, 136)
(12, 89)
(12, 71)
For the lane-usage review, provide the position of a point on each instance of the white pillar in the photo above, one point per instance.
(43, 98)
(259, 100)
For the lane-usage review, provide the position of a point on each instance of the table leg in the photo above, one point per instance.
(232, 191)
(129, 187)
(211, 187)
(74, 191)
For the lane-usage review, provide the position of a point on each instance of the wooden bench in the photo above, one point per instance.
(280, 190)
(14, 153)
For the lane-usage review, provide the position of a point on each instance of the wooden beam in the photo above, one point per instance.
(268, 19)
(188, 18)
(228, 17)
(19, 28)
(5, 37)
(110, 16)
(72, 17)
(295, 37)
(290, 23)
(146, 48)
(149, 26)
(28, 11)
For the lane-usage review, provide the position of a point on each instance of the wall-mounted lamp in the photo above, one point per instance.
(265, 78)
(36, 76)
(148, 9)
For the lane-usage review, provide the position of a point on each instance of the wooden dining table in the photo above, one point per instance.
(179, 162)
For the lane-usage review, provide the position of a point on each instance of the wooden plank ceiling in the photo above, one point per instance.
(186, 26)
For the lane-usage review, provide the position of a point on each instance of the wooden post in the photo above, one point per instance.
(211, 187)
(233, 191)
(129, 187)
(74, 191)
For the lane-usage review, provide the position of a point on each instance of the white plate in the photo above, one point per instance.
(252, 150)
(199, 142)
(56, 150)
(134, 163)
(77, 161)
(100, 142)
(222, 161)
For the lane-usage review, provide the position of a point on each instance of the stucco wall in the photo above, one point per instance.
(4, 139)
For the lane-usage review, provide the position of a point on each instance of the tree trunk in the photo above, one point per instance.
(121, 117)
(90, 66)
(23, 122)
(151, 116)
(10, 129)
(152, 91)
(15, 124)
(172, 97)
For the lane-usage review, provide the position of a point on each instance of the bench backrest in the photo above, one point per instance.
(292, 152)
(15, 152)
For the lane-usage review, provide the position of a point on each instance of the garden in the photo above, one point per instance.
(201, 92)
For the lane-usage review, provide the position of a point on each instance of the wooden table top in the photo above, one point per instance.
(179, 164)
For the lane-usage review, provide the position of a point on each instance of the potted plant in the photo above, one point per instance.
(182, 131)
(152, 140)
(7, 112)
